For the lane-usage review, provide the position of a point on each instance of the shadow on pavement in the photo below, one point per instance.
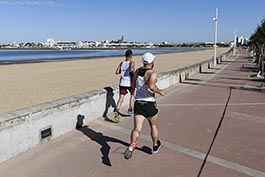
(206, 72)
(259, 90)
(241, 79)
(103, 140)
(216, 133)
(110, 102)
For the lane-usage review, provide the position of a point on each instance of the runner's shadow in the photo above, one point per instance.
(110, 102)
(103, 140)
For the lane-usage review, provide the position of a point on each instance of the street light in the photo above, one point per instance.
(215, 40)
(234, 47)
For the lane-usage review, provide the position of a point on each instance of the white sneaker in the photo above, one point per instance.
(259, 74)
(128, 152)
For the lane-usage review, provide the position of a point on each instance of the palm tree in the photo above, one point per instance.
(257, 44)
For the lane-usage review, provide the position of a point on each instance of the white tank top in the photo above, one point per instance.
(143, 93)
(125, 74)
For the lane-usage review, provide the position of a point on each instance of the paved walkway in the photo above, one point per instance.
(190, 116)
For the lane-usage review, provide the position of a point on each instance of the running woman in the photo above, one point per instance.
(126, 69)
(145, 103)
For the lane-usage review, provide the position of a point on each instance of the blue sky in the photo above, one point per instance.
(139, 20)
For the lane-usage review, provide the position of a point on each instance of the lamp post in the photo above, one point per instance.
(234, 47)
(215, 39)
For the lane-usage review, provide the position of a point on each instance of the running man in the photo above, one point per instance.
(145, 104)
(126, 69)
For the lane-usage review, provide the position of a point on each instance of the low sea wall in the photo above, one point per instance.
(24, 129)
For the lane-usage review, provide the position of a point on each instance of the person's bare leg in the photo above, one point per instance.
(117, 111)
(154, 131)
(138, 124)
(120, 101)
(131, 101)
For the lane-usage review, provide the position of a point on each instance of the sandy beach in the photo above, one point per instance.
(25, 85)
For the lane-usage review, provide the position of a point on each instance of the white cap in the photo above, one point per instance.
(148, 58)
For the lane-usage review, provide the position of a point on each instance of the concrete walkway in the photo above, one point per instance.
(226, 99)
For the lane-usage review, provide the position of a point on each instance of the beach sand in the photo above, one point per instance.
(25, 85)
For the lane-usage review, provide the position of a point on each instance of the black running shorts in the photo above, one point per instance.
(145, 108)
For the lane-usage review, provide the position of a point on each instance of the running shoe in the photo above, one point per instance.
(128, 152)
(157, 147)
(116, 117)
(130, 111)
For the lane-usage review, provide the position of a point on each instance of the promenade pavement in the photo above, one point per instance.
(223, 106)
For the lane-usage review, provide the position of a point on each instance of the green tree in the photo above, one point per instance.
(257, 44)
